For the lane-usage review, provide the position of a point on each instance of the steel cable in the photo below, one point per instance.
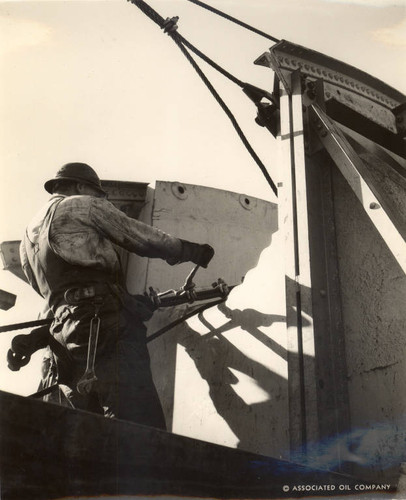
(232, 118)
(234, 20)
(182, 43)
(178, 38)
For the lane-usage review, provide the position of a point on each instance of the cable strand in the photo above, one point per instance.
(232, 119)
(182, 43)
(234, 20)
(207, 59)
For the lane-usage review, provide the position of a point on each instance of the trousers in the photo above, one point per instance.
(124, 388)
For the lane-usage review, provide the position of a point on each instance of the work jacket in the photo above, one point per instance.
(73, 240)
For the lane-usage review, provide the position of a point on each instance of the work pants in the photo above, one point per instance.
(124, 388)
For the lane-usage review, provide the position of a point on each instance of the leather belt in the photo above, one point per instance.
(79, 294)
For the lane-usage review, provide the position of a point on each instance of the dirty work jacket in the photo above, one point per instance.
(72, 241)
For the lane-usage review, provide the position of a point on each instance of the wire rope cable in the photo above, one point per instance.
(182, 43)
(233, 120)
(234, 20)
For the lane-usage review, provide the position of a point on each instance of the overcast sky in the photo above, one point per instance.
(99, 82)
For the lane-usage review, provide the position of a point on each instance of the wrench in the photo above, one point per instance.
(85, 384)
(189, 285)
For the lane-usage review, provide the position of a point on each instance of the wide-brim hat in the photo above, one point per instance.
(79, 172)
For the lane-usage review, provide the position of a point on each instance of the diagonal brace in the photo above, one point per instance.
(351, 166)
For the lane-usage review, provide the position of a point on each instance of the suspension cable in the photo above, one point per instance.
(180, 39)
(233, 19)
(233, 120)
(182, 43)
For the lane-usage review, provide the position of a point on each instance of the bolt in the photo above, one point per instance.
(374, 206)
(311, 95)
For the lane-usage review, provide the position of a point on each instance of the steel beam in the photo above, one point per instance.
(350, 165)
(293, 216)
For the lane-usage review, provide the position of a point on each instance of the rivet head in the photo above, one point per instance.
(247, 202)
(374, 206)
(179, 190)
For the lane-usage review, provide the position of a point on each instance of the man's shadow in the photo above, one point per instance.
(256, 425)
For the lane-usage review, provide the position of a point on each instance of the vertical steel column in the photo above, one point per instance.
(294, 224)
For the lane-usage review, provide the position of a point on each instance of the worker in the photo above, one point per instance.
(69, 255)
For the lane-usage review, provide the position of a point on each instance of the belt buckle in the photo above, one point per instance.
(77, 294)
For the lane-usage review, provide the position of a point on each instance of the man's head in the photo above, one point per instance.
(75, 178)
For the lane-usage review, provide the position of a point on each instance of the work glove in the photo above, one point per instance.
(23, 346)
(196, 253)
(16, 361)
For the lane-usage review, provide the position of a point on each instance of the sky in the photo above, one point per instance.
(99, 82)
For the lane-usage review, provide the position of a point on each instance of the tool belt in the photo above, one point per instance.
(75, 295)
(137, 305)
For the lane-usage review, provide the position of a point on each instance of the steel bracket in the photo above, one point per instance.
(270, 60)
(313, 93)
(268, 113)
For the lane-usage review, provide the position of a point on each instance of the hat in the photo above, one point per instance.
(80, 172)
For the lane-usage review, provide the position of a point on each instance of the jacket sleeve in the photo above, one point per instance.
(134, 235)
